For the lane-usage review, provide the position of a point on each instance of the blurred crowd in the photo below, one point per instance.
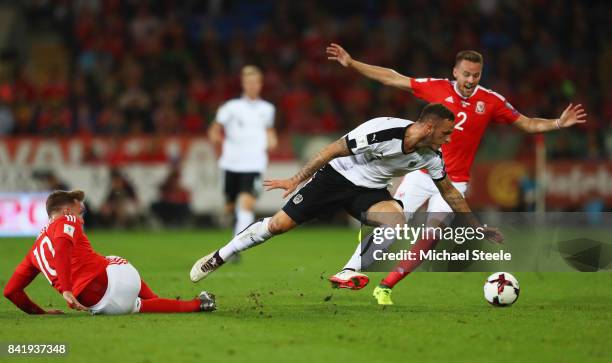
(122, 208)
(163, 67)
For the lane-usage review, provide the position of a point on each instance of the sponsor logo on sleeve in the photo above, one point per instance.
(511, 108)
(69, 230)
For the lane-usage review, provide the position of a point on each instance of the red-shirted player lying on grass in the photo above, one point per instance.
(87, 280)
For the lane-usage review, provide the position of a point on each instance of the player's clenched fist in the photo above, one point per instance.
(337, 53)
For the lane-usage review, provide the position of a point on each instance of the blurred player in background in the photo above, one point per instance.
(245, 129)
(474, 107)
(85, 279)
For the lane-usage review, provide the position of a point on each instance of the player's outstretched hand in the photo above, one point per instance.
(493, 235)
(337, 53)
(54, 312)
(573, 114)
(288, 185)
(73, 303)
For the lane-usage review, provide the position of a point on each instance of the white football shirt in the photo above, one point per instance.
(245, 123)
(378, 154)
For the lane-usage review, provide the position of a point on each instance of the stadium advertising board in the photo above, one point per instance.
(86, 162)
(22, 214)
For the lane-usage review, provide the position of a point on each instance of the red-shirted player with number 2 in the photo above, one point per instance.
(86, 280)
(474, 107)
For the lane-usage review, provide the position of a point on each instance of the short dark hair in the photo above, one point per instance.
(468, 55)
(60, 198)
(436, 111)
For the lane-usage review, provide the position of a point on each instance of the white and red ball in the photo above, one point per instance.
(501, 289)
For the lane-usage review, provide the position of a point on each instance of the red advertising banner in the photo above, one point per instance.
(115, 151)
(505, 184)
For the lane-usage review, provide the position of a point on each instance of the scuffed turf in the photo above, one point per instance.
(276, 305)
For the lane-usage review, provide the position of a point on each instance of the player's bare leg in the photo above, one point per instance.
(384, 213)
(255, 234)
(227, 218)
(229, 207)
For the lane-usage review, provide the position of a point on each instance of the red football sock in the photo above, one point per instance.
(145, 291)
(405, 267)
(160, 305)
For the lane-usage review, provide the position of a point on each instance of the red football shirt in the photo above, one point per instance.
(63, 254)
(472, 116)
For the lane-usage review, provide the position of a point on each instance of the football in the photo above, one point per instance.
(501, 289)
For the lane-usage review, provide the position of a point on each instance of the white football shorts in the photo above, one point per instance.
(417, 187)
(121, 296)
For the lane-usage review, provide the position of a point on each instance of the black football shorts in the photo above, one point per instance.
(329, 191)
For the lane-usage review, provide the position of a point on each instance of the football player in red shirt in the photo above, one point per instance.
(85, 279)
(474, 107)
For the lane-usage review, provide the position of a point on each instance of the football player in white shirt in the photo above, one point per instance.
(353, 173)
(248, 126)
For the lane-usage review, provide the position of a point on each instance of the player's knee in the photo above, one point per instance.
(247, 201)
(277, 227)
(280, 223)
(397, 219)
(389, 216)
(229, 207)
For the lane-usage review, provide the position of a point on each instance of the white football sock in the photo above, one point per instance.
(355, 262)
(255, 234)
(363, 256)
(243, 219)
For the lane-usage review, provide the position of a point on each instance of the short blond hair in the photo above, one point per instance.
(61, 198)
(251, 70)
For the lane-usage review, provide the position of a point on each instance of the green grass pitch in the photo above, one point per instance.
(276, 306)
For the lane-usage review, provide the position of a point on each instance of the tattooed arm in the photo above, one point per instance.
(456, 201)
(334, 150)
(452, 196)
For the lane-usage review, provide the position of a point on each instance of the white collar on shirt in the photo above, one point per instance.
(250, 100)
(459, 93)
